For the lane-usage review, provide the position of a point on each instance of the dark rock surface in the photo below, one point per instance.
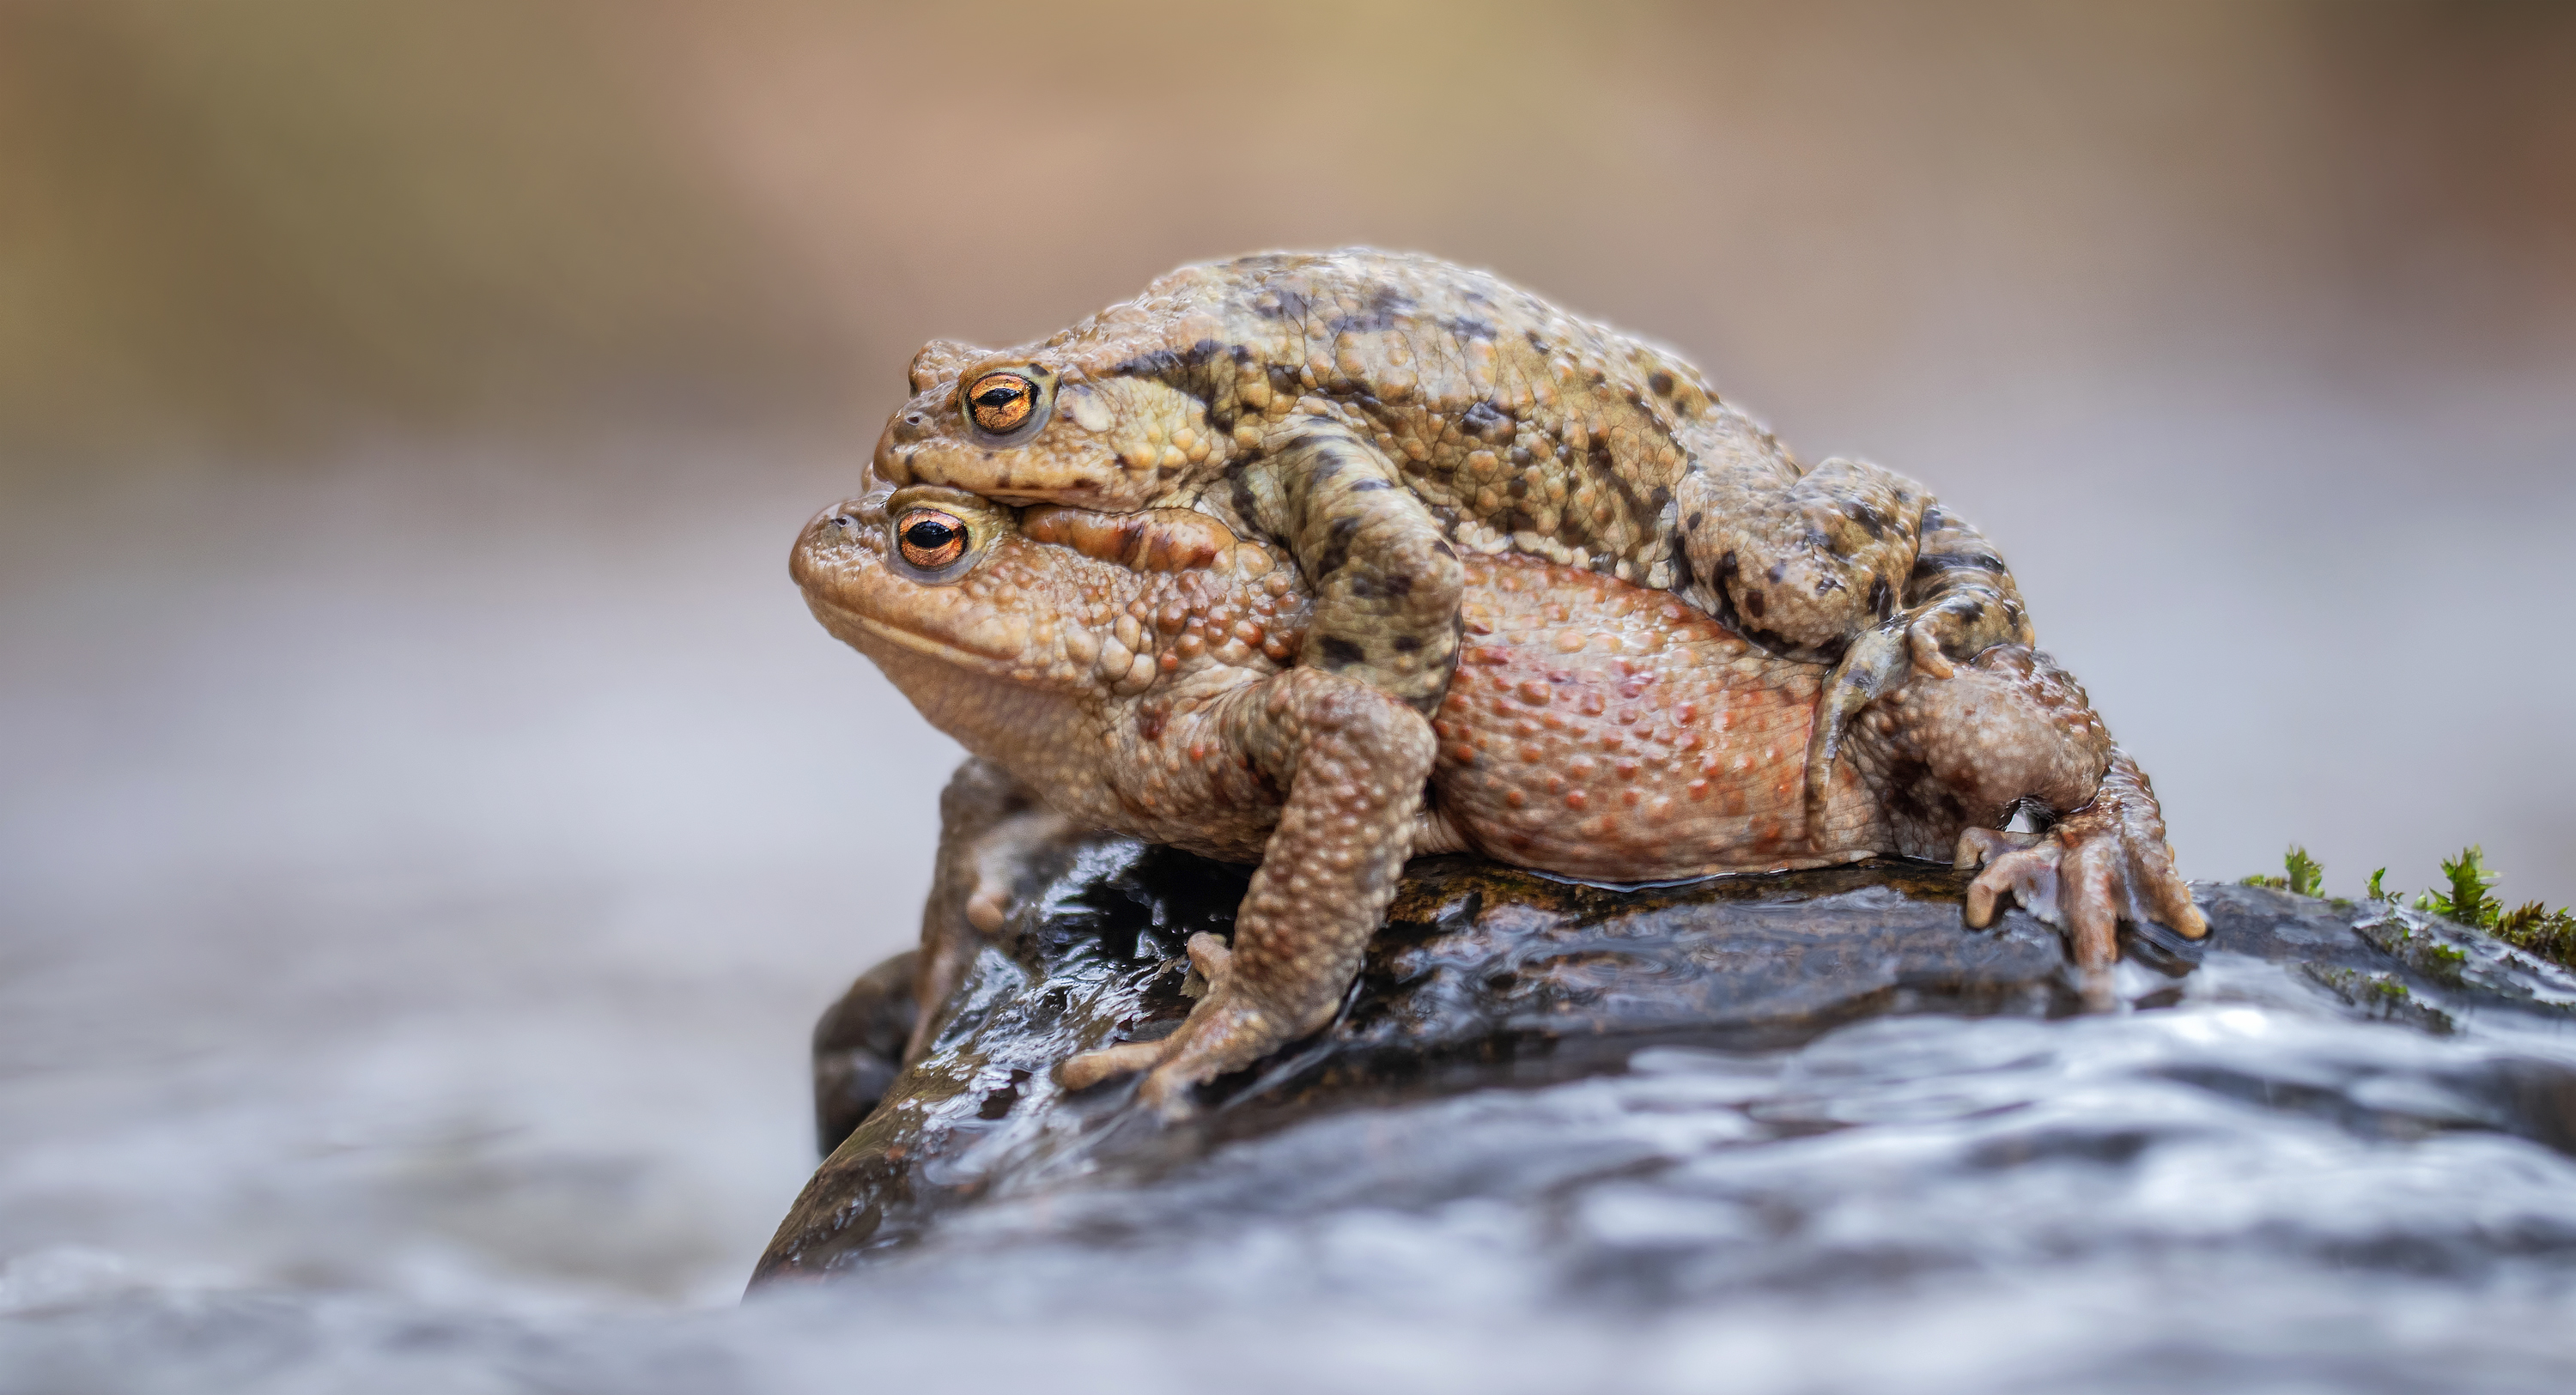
(1488, 976)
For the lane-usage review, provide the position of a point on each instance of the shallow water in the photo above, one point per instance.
(2244, 1192)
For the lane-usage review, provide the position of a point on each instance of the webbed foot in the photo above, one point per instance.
(1225, 1032)
(2102, 864)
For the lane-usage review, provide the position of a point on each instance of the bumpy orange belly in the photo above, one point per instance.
(1602, 730)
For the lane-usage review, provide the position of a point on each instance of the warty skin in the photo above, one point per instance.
(1379, 415)
(1138, 672)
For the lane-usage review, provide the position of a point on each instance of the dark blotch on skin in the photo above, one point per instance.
(1167, 365)
(1868, 517)
(1881, 600)
(1914, 795)
(1778, 570)
(1933, 564)
(1292, 306)
(1386, 311)
(1397, 584)
(1406, 644)
(1481, 420)
(1337, 546)
(1370, 486)
(1754, 605)
(1661, 382)
(1341, 653)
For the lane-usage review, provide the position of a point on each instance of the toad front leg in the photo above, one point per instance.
(1847, 564)
(1353, 762)
(1386, 582)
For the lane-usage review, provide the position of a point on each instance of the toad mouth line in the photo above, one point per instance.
(840, 618)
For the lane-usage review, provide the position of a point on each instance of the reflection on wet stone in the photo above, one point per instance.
(1677, 1003)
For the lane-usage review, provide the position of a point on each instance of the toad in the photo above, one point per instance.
(1378, 415)
(1141, 672)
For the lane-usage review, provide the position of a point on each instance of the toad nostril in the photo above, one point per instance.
(845, 523)
(912, 419)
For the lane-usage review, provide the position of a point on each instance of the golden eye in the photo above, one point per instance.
(930, 539)
(1001, 402)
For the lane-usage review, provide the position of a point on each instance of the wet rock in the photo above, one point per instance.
(858, 1048)
(1489, 976)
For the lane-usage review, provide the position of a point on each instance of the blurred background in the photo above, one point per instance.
(429, 821)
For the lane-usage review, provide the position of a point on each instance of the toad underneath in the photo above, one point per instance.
(1140, 672)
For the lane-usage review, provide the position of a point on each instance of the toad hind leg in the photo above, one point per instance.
(2101, 864)
(1954, 757)
(1353, 761)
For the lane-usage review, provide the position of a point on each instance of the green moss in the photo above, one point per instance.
(2306, 876)
(2467, 901)
(2532, 927)
(2381, 996)
(2465, 898)
(2534, 930)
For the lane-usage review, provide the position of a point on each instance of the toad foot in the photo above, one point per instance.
(2102, 864)
(1225, 1032)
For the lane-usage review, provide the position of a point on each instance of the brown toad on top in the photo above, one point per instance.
(1137, 672)
(1377, 414)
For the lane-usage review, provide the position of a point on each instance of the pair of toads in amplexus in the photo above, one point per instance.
(1330, 561)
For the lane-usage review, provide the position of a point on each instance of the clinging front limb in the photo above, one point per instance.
(1851, 565)
(1385, 580)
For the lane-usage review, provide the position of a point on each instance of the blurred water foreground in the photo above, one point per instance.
(429, 823)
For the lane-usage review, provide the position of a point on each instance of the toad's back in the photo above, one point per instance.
(1524, 428)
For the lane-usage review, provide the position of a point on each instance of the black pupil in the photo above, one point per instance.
(998, 396)
(928, 535)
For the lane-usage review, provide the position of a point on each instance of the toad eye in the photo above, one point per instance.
(1001, 402)
(930, 539)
